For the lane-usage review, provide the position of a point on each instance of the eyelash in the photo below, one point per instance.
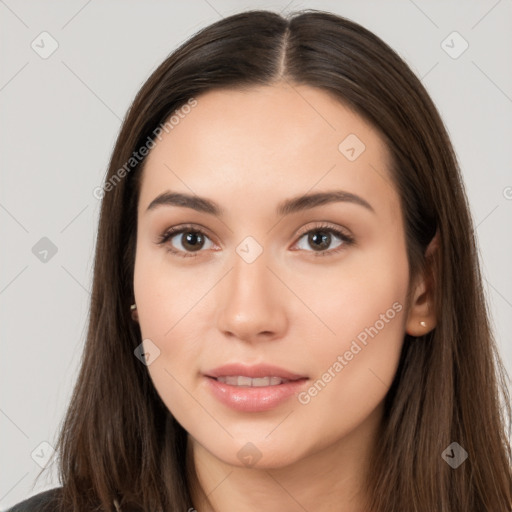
(189, 228)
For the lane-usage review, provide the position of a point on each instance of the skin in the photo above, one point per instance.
(248, 151)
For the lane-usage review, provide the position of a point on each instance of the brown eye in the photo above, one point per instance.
(184, 241)
(321, 239)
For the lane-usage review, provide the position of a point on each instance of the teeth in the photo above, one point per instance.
(242, 380)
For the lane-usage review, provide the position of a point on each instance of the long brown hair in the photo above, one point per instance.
(118, 440)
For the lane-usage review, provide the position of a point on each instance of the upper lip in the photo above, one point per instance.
(260, 370)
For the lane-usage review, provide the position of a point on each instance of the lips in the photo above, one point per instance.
(251, 389)
(255, 373)
(259, 382)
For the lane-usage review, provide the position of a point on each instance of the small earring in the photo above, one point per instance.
(134, 312)
(423, 324)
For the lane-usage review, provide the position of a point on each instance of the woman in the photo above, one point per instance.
(287, 310)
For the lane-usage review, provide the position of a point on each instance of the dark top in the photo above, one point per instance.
(41, 502)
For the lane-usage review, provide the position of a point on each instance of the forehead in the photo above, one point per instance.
(270, 142)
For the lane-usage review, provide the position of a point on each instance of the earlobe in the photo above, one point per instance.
(422, 316)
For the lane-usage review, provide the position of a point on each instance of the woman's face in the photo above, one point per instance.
(264, 280)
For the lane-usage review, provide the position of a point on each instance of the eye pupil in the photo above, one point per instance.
(324, 239)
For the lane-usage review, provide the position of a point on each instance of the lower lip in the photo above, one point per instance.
(254, 399)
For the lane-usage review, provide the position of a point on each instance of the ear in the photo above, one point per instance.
(135, 315)
(421, 318)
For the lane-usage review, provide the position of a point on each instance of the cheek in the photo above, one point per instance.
(165, 293)
(170, 299)
(356, 363)
(163, 302)
(364, 293)
(363, 305)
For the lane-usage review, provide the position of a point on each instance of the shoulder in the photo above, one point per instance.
(38, 502)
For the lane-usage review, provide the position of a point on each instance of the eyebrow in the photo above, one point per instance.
(287, 207)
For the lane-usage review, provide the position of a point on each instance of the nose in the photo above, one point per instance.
(252, 302)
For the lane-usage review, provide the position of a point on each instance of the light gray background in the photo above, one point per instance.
(59, 120)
